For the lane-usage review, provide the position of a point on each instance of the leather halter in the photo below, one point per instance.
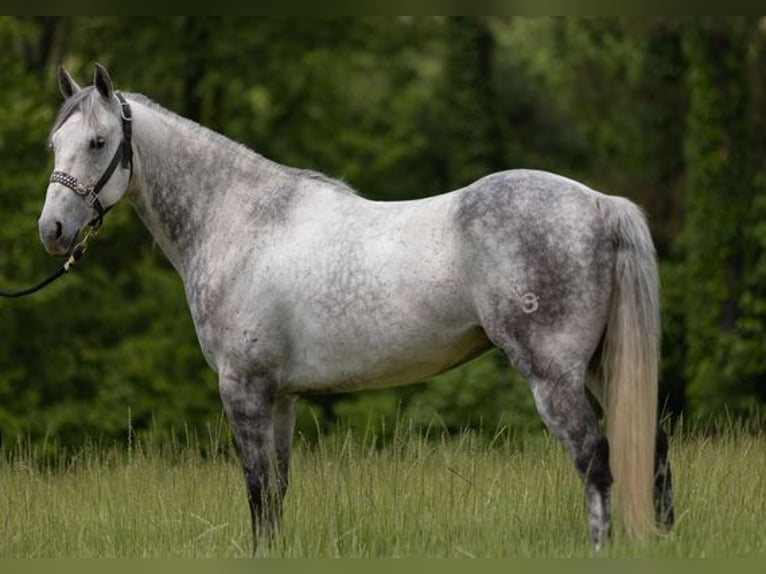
(123, 155)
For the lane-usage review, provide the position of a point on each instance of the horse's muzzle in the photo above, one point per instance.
(55, 238)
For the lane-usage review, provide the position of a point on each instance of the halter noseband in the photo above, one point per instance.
(123, 155)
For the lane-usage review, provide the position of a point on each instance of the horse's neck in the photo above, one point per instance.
(185, 177)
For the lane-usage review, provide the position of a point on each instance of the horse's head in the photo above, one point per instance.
(93, 159)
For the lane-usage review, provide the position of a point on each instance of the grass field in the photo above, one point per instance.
(458, 497)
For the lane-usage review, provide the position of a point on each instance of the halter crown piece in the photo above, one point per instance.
(123, 155)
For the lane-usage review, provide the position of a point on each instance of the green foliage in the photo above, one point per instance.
(719, 196)
(654, 109)
(471, 136)
(486, 395)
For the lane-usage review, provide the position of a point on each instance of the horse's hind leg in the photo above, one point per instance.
(663, 483)
(663, 479)
(559, 394)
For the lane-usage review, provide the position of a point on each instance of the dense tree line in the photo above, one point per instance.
(668, 112)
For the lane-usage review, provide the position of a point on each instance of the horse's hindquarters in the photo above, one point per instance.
(539, 262)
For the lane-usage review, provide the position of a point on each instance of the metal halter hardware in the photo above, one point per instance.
(123, 155)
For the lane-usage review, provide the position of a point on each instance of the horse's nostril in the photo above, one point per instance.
(59, 230)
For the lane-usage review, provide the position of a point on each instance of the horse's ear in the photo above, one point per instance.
(67, 86)
(103, 82)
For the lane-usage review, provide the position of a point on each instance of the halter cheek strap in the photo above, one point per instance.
(123, 155)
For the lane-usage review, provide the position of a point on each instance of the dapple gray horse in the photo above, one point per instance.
(298, 285)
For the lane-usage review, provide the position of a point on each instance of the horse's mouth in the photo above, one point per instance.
(61, 247)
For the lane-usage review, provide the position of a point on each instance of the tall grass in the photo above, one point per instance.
(351, 496)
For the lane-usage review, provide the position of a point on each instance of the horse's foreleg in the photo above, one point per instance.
(249, 403)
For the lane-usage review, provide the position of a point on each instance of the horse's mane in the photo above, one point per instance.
(239, 147)
(83, 102)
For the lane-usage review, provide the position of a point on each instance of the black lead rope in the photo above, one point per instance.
(29, 290)
(76, 255)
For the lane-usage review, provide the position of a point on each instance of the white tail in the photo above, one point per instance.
(630, 365)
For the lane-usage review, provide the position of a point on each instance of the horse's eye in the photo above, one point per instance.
(96, 142)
